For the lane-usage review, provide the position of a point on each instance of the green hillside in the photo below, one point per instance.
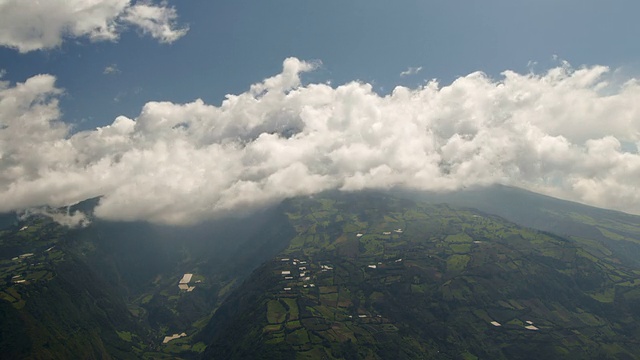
(618, 232)
(374, 277)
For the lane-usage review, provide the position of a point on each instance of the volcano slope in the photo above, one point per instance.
(370, 276)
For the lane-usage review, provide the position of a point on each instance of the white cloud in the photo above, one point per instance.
(559, 133)
(111, 69)
(411, 71)
(38, 25)
(75, 219)
(157, 21)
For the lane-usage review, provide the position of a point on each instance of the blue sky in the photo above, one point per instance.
(99, 98)
(232, 44)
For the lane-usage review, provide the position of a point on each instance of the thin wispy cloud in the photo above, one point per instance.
(411, 71)
(111, 70)
(40, 25)
(560, 132)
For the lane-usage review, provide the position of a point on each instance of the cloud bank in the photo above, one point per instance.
(566, 133)
(38, 25)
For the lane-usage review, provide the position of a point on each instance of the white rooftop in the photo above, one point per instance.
(186, 278)
(173, 337)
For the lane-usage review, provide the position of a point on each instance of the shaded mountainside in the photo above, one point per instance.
(369, 276)
(53, 306)
(110, 290)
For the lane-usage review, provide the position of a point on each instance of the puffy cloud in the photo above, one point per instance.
(563, 133)
(29, 25)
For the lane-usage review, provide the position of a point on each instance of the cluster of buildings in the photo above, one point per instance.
(303, 273)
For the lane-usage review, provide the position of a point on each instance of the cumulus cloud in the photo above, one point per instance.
(411, 71)
(37, 25)
(560, 133)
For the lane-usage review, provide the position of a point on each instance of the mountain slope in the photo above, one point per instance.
(370, 276)
(111, 289)
(616, 231)
(53, 306)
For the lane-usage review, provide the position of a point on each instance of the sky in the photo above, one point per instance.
(181, 111)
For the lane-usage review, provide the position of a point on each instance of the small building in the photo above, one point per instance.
(184, 282)
(173, 337)
(186, 278)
